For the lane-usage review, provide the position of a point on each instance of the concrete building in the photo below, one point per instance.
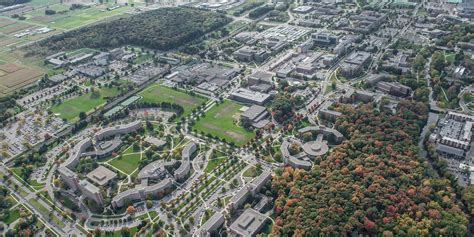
(248, 224)
(101, 175)
(260, 81)
(255, 116)
(323, 39)
(394, 88)
(185, 166)
(250, 97)
(248, 54)
(118, 130)
(91, 191)
(454, 135)
(211, 226)
(353, 65)
(141, 192)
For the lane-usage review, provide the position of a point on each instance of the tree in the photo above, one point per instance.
(131, 209)
(125, 231)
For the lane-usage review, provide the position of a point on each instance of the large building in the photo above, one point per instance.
(323, 39)
(255, 116)
(249, 223)
(100, 176)
(353, 65)
(211, 226)
(453, 136)
(250, 97)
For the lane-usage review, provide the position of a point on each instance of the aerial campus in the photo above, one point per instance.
(236, 118)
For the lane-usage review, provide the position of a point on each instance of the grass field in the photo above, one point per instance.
(213, 163)
(159, 93)
(71, 108)
(13, 215)
(46, 212)
(450, 57)
(220, 121)
(252, 172)
(127, 163)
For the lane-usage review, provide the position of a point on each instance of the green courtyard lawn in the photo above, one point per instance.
(71, 108)
(213, 163)
(220, 121)
(126, 163)
(160, 93)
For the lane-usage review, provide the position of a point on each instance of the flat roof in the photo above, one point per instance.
(249, 223)
(101, 175)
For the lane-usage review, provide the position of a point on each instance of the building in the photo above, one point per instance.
(353, 65)
(260, 81)
(250, 97)
(141, 192)
(255, 116)
(91, 191)
(323, 39)
(454, 135)
(249, 54)
(118, 130)
(185, 166)
(394, 88)
(249, 223)
(211, 226)
(101, 175)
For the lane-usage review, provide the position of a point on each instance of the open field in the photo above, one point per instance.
(213, 163)
(126, 163)
(220, 121)
(159, 93)
(71, 108)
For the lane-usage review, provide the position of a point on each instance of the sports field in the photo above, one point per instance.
(159, 93)
(70, 109)
(221, 121)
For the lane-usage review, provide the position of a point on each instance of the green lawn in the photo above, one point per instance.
(213, 163)
(71, 108)
(127, 163)
(450, 57)
(118, 233)
(13, 215)
(159, 93)
(46, 212)
(252, 172)
(220, 121)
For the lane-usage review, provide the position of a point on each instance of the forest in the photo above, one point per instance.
(160, 29)
(374, 183)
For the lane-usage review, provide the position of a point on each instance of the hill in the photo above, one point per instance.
(160, 29)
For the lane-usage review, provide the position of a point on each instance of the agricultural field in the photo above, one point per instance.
(14, 76)
(71, 108)
(221, 121)
(159, 93)
(30, 69)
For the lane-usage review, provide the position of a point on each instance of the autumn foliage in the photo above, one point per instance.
(374, 183)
